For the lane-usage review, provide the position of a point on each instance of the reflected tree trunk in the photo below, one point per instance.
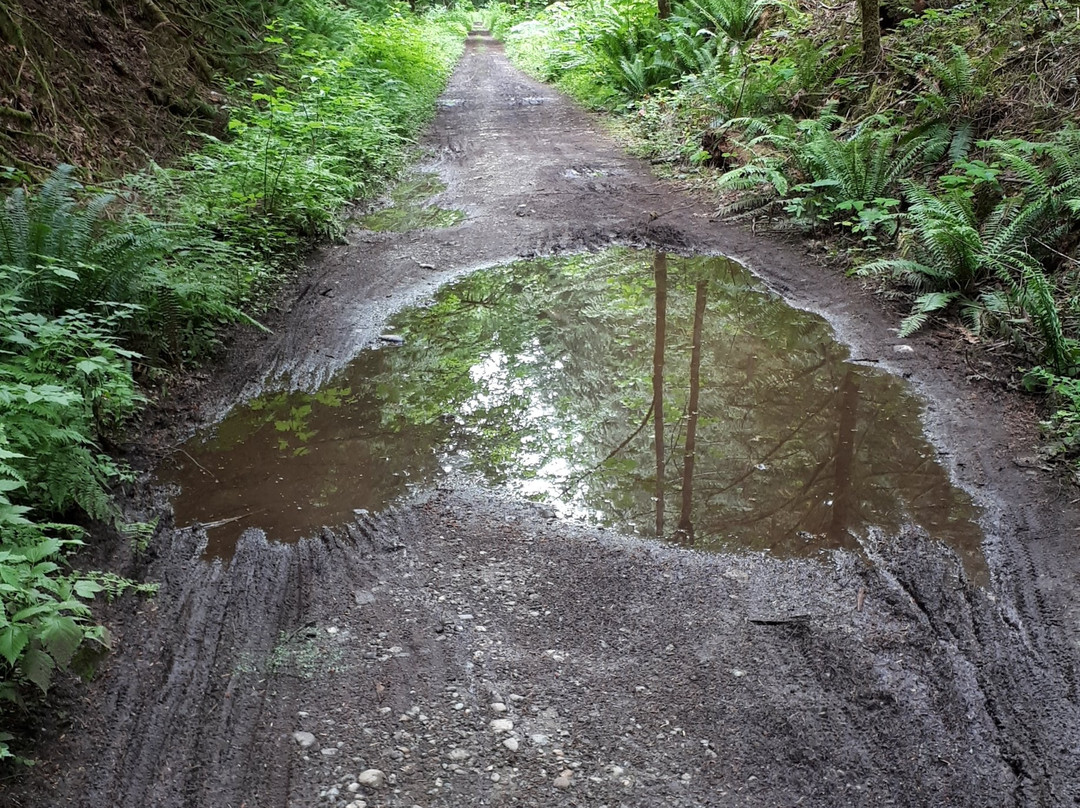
(685, 531)
(844, 462)
(660, 276)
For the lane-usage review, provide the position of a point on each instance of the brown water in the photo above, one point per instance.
(545, 377)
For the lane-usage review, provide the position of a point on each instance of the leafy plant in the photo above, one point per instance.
(71, 252)
(951, 254)
(825, 177)
(737, 21)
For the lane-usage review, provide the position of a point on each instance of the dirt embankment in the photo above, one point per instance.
(475, 651)
(107, 84)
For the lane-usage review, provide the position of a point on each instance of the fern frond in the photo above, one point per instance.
(924, 306)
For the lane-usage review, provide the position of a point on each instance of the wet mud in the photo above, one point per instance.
(476, 649)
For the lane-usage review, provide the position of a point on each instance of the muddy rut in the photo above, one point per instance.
(463, 649)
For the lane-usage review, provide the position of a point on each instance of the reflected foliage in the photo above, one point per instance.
(543, 377)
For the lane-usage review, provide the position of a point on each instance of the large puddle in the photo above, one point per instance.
(658, 395)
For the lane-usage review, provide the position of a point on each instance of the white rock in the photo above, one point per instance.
(459, 754)
(372, 778)
(511, 744)
(498, 707)
(329, 751)
(305, 739)
(561, 782)
(501, 725)
(539, 739)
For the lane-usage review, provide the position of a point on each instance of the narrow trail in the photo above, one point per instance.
(477, 652)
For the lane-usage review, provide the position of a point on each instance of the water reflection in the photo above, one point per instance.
(546, 376)
(409, 210)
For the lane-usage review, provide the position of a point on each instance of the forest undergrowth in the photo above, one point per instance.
(942, 166)
(107, 289)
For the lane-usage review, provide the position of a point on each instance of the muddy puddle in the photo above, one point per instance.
(409, 208)
(654, 394)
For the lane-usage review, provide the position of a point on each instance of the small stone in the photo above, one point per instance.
(329, 751)
(458, 754)
(561, 782)
(354, 787)
(372, 778)
(539, 739)
(511, 744)
(305, 739)
(495, 777)
(499, 725)
(498, 707)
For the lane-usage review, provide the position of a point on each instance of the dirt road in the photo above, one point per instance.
(464, 650)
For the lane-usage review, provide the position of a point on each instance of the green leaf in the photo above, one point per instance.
(12, 641)
(37, 666)
(43, 549)
(61, 636)
(87, 589)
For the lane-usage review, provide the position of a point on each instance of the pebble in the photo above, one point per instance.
(459, 754)
(329, 751)
(511, 744)
(305, 739)
(501, 725)
(539, 739)
(372, 778)
(561, 782)
(498, 707)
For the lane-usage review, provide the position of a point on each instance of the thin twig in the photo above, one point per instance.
(577, 480)
(200, 465)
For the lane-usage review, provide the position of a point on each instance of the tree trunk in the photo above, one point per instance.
(660, 275)
(685, 530)
(663, 9)
(870, 14)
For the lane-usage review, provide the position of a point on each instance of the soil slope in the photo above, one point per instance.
(476, 651)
